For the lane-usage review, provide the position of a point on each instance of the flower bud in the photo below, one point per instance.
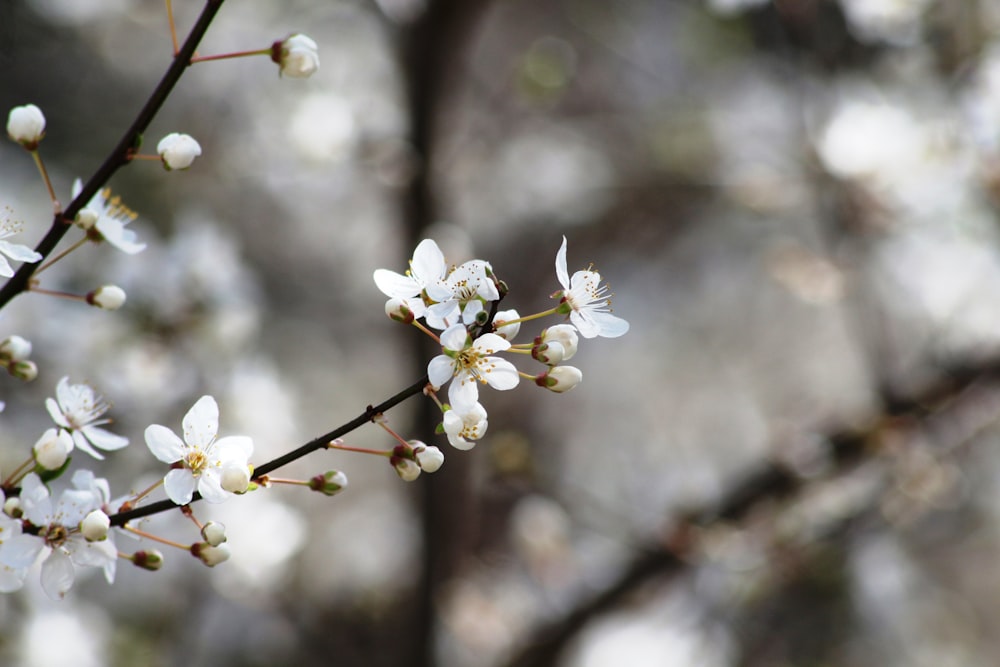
(296, 55)
(107, 297)
(210, 555)
(26, 125)
(407, 469)
(549, 354)
(15, 348)
(178, 151)
(235, 478)
(53, 448)
(12, 507)
(23, 370)
(329, 483)
(151, 559)
(95, 526)
(560, 378)
(430, 458)
(214, 533)
(506, 331)
(398, 311)
(565, 335)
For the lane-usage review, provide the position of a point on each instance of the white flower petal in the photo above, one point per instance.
(21, 550)
(82, 443)
(18, 252)
(201, 423)
(561, 273)
(428, 263)
(395, 284)
(490, 343)
(503, 375)
(210, 487)
(57, 574)
(106, 440)
(608, 325)
(164, 444)
(179, 485)
(463, 392)
(440, 369)
(57, 416)
(235, 448)
(456, 337)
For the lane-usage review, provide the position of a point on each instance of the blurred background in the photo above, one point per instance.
(790, 460)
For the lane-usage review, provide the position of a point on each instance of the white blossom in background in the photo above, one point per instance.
(465, 425)
(178, 151)
(59, 542)
(15, 251)
(107, 297)
(206, 460)
(588, 301)
(78, 409)
(297, 56)
(26, 125)
(108, 215)
(470, 362)
(11, 578)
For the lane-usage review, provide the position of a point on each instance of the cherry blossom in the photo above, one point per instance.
(471, 362)
(26, 125)
(205, 461)
(297, 55)
(586, 301)
(15, 251)
(427, 268)
(104, 219)
(461, 294)
(178, 151)
(77, 408)
(59, 537)
(465, 424)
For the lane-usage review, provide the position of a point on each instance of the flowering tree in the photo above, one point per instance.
(56, 523)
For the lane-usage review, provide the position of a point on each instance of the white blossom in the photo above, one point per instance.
(500, 326)
(465, 424)
(15, 251)
(427, 267)
(95, 526)
(203, 458)
(15, 348)
(53, 448)
(560, 379)
(78, 409)
(429, 458)
(11, 578)
(470, 362)
(297, 56)
(586, 301)
(107, 297)
(59, 542)
(407, 469)
(461, 294)
(178, 151)
(108, 215)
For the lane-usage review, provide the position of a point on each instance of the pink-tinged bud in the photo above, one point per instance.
(15, 348)
(178, 151)
(95, 526)
(210, 555)
(26, 125)
(560, 379)
(151, 559)
(214, 533)
(398, 311)
(296, 55)
(107, 297)
(329, 483)
(53, 448)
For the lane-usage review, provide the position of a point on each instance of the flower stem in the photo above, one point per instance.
(173, 26)
(528, 318)
(19, 472)
(235, 54)
(161, 540)
(61, 295)
(61, 255)
(360, 450)
(37, 157)
(427, 331)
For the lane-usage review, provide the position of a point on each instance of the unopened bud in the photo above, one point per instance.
(565, 335)
(95, 526)
(296, 55)
(407, 469)
(210, 555)
(560, 378)
(549, 354)
(12, 507)
(15, 348)
(178, 151)
(53, 448)
(329, 483)
(398, 311)
(151, 559)
(430, 458)
(506, 331)
(107, 297)
(23, 370)
(26, 125)
(235, 478)
(214, 533)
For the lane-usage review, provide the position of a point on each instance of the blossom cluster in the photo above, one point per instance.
(463, 303)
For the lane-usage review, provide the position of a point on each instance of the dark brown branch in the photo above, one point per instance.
(119, 156)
